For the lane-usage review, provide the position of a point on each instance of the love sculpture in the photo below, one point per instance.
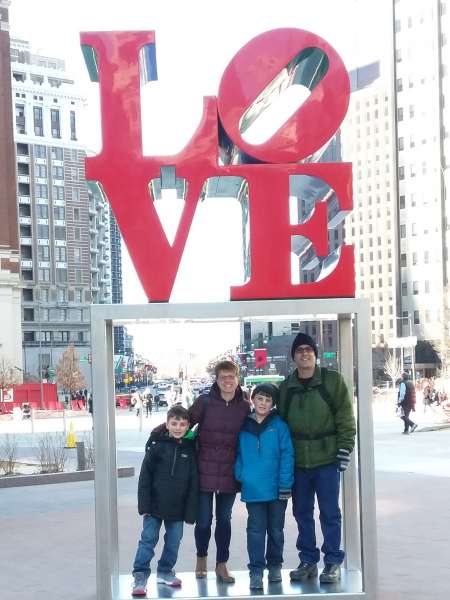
(124, 173)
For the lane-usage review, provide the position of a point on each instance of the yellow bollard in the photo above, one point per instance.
(71, 438)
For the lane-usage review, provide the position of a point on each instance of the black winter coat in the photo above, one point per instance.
(168, 482)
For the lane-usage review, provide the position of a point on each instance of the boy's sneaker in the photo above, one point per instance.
(304, 571)
(139, 585)
(256, 581)
(274, 574)
(169, 579)
(330, 574)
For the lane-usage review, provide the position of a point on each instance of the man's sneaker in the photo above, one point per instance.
(256, 581)
(303, 572)
(330, 574)
(274, 574)
(169, 579)
(413, 428)
(139, 585)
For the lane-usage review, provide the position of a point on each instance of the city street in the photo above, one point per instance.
(48, 540)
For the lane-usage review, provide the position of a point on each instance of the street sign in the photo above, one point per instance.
(402, 342)
(329, 355)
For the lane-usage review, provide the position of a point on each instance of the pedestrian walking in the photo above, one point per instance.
(406, 403)
(318, 409)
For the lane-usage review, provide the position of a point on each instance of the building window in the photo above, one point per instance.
(44, 313)
(40, 151)
(403, 260)
(44, 254)
(61, 275)
(61, 294)
(404, 288)
(402, 201)
(44, 275)
(58, 192)
(401, 172)
(38, 120)
(55, 123)
(58, 172)
(401, 143)
(415, 288)
(41, 190)
(28, 314)
(77, 255)
(75, 194)
(73, 129)
(76, 214)
(77, 234)
(28, 336)
(42, 211)
(60, 232)
(20, 118)
(27, 295)
(44, 294)
(40, 171)
(77, 275)
(402, 231)
(400, 114)
(61, 254)
(414, 258)
(426, 257)
(42, 232)
(78, 296)
(416, 318)
(59, 213)
(57, 153)
(427, 286)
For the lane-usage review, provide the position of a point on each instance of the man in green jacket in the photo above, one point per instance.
(317, 407)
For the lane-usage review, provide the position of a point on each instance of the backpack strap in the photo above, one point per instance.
(321, 388)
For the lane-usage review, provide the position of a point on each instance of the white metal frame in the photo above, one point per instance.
(358, 491)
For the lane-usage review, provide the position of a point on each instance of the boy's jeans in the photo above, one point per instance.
(265, 518)
(148, 541)
(323, 482)
(222, 534)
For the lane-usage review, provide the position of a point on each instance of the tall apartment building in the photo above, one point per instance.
(422, 129)
(10, 343)
(63, 224)
(368, 143)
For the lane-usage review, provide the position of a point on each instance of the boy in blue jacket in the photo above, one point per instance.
(265, 468)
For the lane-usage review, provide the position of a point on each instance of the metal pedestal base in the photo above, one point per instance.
(350, 587)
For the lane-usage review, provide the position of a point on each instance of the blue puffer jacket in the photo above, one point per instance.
(265, 461)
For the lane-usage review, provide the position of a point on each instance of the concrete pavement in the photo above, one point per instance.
(47, 541)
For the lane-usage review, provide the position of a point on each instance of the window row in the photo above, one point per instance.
(55, 336)
(38, 128)
(415, 287)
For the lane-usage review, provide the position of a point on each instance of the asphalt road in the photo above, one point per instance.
(47, 539)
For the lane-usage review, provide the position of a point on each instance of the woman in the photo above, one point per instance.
(220, 415)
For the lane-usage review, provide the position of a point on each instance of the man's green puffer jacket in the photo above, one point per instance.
(317, 430)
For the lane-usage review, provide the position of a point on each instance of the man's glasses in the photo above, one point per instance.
(304, 350)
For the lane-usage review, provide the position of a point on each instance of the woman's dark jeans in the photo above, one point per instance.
(222, 534)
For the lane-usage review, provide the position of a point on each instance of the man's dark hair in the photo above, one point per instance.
(226, 365)
(177, 412)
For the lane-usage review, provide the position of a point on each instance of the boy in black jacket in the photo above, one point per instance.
(167, 491)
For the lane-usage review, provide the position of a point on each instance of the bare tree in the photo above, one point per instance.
(8, 375)
(68, 373)
(392, 368)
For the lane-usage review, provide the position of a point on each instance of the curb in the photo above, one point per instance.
(435, 427)
(48, 478)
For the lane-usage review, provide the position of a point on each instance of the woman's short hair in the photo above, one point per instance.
(226, 365)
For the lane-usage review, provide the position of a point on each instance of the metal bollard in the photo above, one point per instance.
(81, 457)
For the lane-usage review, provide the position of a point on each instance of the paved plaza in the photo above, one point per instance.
(47, 541)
